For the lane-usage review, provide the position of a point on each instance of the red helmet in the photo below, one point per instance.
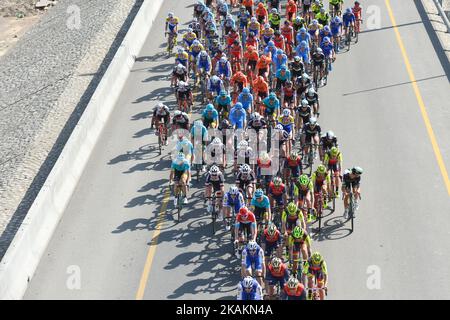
(243, 211)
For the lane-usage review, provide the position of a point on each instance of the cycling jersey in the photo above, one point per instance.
(264, 204)
(311, 131)
(271, 107)
(199, 133)
(214, 115)
(291, 219)
(323, 18)
(329, 160)
(172, 23)
(254, 27)
(222, 101)
(189, 38)
(348, 181)
(303, 53)
(274, 19)
(243, 19)
(284, 77)
(312, 100)
(311, 269)
(181, 121)
(287, 33)
(254, 294)
(303, 37)
(182, 58)
(267, 35)
(287, 123)
(298, 190)
(279, 42)
(255, 258)
(327, 49)
(194, 50)
(250, 220)
(298, 293)
(320, 180)
(216, 181)
(185, 146)
(236, 203)
(224, 70)
(328, 144)
(276, 190)
(238, 117)
(246, 179)
(357, 11)
(183, 167)
(280, 60)
(297, 243)
(272, 240)
(348, 18)
(335, 28)
(298, 25)
(246, 100)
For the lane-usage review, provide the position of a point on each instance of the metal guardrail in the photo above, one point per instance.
(445, 14)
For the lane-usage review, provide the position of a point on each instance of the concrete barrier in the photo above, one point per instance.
(23, 255)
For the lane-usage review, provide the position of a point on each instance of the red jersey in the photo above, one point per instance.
(294, 163)
(277, 273)
(235, 50)
(357, 12)
(279, 42)
(296, 292)
(231, 37)
(250, 218)
(262, 165)
(287, 33)
(276, 191)
(271, 239)
(288, 92)
(252, 42)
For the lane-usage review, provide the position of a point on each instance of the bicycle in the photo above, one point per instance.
(171, 42)
(312, 153)
(348, 36)
(353, 206)
(319, 204)
(216, 207)
(162, 136)
(176, 190)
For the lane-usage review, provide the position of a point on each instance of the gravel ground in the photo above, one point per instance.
(46, 81)
(9, 8)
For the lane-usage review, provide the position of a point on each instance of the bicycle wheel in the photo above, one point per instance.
(320, 211)
(214, 218)
(351, 208)
(160, 143)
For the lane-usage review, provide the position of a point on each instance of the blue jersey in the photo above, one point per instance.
(303, 53)
(272, 51)
(183, 167)
(278, 62)
(336, 28)
(327, 49)
(243, 19)
(213, 116)
(287, 75)
(237, 117)
(224, 69)
(204, 63)
(185, 146)
(223, 101)
(254, 294)
(271, 107)
(348, 18)
(229, 23)
(237, 203)
(246, 100)
(264, 204)
(255, 258)
(215, 87)
(305, 37)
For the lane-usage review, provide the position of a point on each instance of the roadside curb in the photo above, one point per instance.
(23, 255)
(438, 25)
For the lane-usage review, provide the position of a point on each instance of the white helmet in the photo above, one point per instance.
(170, 14)
(311, 92)
(247, 282)
(286, 113)
(214, 170)
(216, 141)
(252, 245)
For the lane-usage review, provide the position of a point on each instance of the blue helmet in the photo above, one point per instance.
(272, 95)
(238, 105)
(283, 67)
(337, 19)
(326, 39)
(209, 107)
(302, 30)
(259, 193)
(246, 90)
(223, 93)
(279, 51)
(180, 157)
(271, 44)
(303, 44)
(326, 29)
(348, 10)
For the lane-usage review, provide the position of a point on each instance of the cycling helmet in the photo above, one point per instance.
(225, 124)
(302, 30)
(326, 39)
(259, 193)
(311, 91)
(223, 60)
(243, 8)
(170, 15)
(234, 190)
(209, 107)
(298, 19)
(303, 44)
(196, 43)
(357, 170)
(203, 54)
(330, 135)
(297, 232)
(292, 283)
(286, 113)
(238, 105)
(313, 121)
(277, 33)
(337, 19)
(292, 208)
(190, 30)
(334, 151)
(321, 169)
(180, 51)
(246, 90)
(215, 79)
(319, 50)
(223, 93)
(252, 245)
(322, 10)
(214, 170)
(316, 258)
(305, 76)
(274, 11)
(277, 181)
(272, 95)
(348, 10)
(253, 20)
(288, 83)
(216, 141)
(177, 113)
(267, 26)
(305, 103)
(326, 29)
(271, 229)
(247, 283)
(245, 168)
(297, 59)
(180, 157)
(276, 262)
(315, 22)
(243, 211)
(293, 155)
(303, 179)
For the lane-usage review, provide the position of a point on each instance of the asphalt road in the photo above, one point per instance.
(402, 229)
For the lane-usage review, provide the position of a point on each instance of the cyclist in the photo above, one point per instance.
(229, 24)
(249, 289)
(328, 51)
(199, 8)
(351, 183)
(222, 9)
(261, 13)
(244, 228)
(223, 103)
(277, 192)
(238, 116)
(182, 57)
(302, 84)
(289, 96)
(185, 146)
(303, 35)
(264, 169)
(296, 67)
(310, 135)
(282, 136)
(223, 71)
(316, 6)
(321, 181)
(199, 135)
(214, 183)
(194, 52)
(291, 217)
(214, 87)
(253, 258)
(233, 201)
(274, 19)
(171, 24)
(304, 113)
(243, 17)
(288, 123)
(204, 65)
(254, 26)
(266, 34)
(336, 5)
(279, 61)
(293, 290)
(179, 73)
(302, 50)
(180, 120)
(282, 75)
(299, 242)
(260, 205)
(272, 106)
(239, 81)
(279, 40)
(293, 166)
(303, 190)
(348, 20)
(318, 62)
(196, 27)
(306, 8)
(189, 38)
(210, 116)
(291, 10)
(252, 41)
(276, 273)
(271, 241)
(262, 70)
(336, 32)
(184, 93)
(314, 30)
(260, 87)
(325, 32)
(313, 101)
(246, 180)
(357, 11)
(236, 55)
(288, 33)
(333, 161)
(316, 267)
(160, 112)
(246, 99)
(181, 174)
(327, 141)
(323, 17)
(232, 36)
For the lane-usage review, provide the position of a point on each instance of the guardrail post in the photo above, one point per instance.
(440, 4)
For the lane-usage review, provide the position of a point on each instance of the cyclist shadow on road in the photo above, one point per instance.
(160, 56)
(332, 229)
(159, 94)
(143, 153)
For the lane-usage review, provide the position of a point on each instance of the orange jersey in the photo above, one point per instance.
(287, 33)
(247, 3)
(236, 50)
(261, 12)
(241, 78)
(263, 62)
(251, 55)
(231, 37)
(260, 86)
(357, 12)
(291, 8)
